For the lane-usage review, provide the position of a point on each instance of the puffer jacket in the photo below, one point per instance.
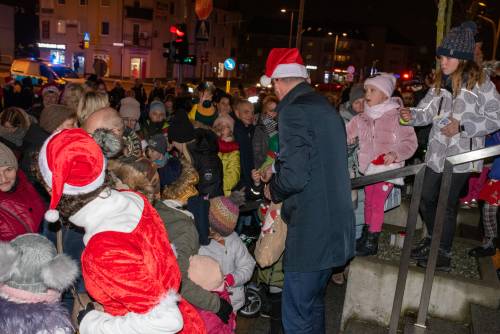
(229, 154)
(382, 135)
(21, 210)
(234, 259)
(477, 110)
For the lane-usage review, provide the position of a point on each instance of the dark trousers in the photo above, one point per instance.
(303, 302)
(429, 202)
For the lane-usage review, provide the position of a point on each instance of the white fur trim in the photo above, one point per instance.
(111, 211)
(8, 259)
(290, 70)
(265, 81)
(60, 272)
(51, 216)
(68, 189)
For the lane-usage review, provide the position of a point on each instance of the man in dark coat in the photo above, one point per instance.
(312, 181)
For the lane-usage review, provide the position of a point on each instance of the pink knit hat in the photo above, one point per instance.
(386, 82)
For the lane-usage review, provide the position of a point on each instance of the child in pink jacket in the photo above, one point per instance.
(384, 144)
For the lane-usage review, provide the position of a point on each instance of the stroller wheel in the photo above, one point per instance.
(254, 301)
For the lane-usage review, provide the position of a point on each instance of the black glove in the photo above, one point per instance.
(83, 313)
(225, 310)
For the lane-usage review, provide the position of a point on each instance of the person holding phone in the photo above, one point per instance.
(463, 107)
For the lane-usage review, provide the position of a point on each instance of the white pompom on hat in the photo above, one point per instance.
(284, 63)
(70, 163)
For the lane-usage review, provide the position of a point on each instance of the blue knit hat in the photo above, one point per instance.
(459, 42)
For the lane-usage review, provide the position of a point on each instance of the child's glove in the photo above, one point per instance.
(229, 280)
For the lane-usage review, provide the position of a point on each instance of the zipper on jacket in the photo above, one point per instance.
(440, 105)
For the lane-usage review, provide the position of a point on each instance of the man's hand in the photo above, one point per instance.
(266, 174)
(451, 129)
(256, 176)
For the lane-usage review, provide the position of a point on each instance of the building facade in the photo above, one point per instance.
(127, 37)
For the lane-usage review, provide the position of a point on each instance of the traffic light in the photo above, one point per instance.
(180, 41)
(189, 60)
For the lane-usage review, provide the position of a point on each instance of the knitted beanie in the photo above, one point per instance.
(130, 108)
(222, 215)
(459, 43)
(157, 105)
(7, 157)
(158, 143)
(386, 82)
(357, 92)
(54, 115)
(205, 272)
(181, 129)
(30, 262)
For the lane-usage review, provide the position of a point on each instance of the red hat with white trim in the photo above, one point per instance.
(284, 63)
(71, 163)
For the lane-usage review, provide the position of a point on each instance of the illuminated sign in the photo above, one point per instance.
(51, 46)
(311, 67)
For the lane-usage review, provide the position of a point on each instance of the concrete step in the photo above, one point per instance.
(435, 326)
(484, 320)
(363, 327)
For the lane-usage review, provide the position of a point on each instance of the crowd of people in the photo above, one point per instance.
(149, 196)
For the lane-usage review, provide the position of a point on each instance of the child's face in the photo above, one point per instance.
(374, 96)
(156, 116)
(154, 155)
(223, 131)
(448, 64)
(358, 105)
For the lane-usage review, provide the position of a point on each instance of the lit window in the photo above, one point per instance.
(61, 27)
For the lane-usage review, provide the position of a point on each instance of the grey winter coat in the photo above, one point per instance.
(234, 259)
(477, 110)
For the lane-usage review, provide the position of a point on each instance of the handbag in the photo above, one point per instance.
(271, 243)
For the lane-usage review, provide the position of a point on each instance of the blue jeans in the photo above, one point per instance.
(303, 302)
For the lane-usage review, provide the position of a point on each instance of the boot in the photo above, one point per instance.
(370, 246)
(443, 262)
(487, 249)
(421, 250)
(361, 241)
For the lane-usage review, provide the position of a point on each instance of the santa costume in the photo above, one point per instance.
(128, 264)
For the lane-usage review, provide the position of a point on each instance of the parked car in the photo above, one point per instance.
(38, 69)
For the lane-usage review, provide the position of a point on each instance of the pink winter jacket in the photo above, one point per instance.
(380, 136)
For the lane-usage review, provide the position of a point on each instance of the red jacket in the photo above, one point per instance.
(21, 211)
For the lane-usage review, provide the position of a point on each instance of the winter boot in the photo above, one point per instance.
(361, 241)
(487, 249)
(370, 246)
(443, 262)
(421, 251)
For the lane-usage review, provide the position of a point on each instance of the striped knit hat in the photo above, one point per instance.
(222, 215)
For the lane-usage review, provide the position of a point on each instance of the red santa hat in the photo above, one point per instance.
(71, 163)
(284, 63)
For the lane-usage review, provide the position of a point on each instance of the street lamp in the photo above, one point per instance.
(284, 10)
(335, 45)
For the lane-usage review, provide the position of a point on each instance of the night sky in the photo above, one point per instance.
(415, 20)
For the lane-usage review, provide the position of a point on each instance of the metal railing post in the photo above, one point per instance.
(411, 225)
(436, 240)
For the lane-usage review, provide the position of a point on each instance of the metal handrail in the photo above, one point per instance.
(419, 172)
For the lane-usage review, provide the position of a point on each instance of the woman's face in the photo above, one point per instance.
(224, 106)
(448, 64)
(7, 178)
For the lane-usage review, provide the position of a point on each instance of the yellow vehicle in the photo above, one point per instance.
(41, 72)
